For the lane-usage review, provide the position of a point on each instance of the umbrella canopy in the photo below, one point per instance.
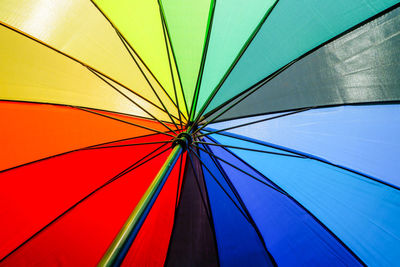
(199, 133)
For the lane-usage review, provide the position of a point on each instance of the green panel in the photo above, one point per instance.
(187, 25)
(233, 23)
(293, 28)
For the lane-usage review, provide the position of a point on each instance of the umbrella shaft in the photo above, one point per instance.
(121, 244)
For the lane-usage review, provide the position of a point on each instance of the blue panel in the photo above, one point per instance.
(362, 138)
(363, 213)
(238, 242)
(293, 236)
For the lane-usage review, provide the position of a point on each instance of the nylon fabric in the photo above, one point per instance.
(293, 236)
(78, 29)
(187, 25)
(151, 243)
(192, 241)
(145, 108)
(178, 97)
(33, 72)
(362, 138)
(362, 66)
(361, 212)
(140, 23)
(36, 131)
(233, 23)
(238, 243)
(41, 191)
(292, 29)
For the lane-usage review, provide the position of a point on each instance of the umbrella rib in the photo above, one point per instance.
(116, 177)
(203, 61)
(74, 150)
(173, 56)
(74, 106)
(134, 102)
(309, 156)
(237, 168)
(380, 102)
(127, 145)
(240, 200)
(199, 188)
(169, 62)
(179, 183)
(148, 82)
(211, 219)
(74, 59)
(247, 92)
(130, 46)
(236, 60)
(250, 149)
(235, 103)
(130, 123)
(300, 205)
(254, 122)
(222, 188)
(244, 212)
(178, 197)
(271, 76)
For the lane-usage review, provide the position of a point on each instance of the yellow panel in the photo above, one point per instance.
(149, 109)
(30, 71)
(140, 23)
(167, 101)
(78, 29)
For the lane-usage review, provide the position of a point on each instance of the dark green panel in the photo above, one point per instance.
(362, 66)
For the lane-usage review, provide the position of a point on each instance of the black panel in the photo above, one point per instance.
(363, 66)
(192, 240)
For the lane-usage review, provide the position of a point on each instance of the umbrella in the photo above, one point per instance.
(199, 133)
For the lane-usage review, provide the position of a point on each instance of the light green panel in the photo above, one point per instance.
(293, 28)
(187, 25)
(232, 25)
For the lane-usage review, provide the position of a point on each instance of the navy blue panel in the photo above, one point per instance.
(237, 240)
(293, 236)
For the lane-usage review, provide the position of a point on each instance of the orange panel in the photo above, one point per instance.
(34, 131)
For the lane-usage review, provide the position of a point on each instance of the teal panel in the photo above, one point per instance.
(292, 29)
(232, 25)
(363, 213)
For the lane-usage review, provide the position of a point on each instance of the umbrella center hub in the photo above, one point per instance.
(183, 139)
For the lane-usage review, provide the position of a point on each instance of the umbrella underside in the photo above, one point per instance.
(204, 133)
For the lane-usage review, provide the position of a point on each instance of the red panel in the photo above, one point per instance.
(33, 195)
(151, 244)
(143, 141)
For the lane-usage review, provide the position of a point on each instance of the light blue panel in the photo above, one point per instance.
(362, 138)
(363, 213)
(292, 235)
(293, 28)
